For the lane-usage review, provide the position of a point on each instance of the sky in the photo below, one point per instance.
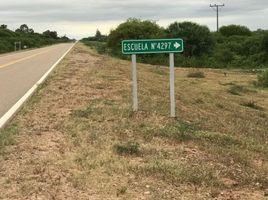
(81, 18)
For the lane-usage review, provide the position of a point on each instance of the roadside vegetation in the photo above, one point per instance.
(234, 46)
(263, 79)
(79, 138)
(27, 37)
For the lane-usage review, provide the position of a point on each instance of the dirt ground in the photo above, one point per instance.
(64, 143)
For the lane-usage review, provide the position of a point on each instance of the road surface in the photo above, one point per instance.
(20, 71)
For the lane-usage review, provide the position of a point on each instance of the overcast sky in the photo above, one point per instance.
(81, 18)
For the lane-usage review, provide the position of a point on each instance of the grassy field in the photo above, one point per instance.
(77, 138)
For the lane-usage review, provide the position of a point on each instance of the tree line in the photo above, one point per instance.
(233, 46)
(27, 37)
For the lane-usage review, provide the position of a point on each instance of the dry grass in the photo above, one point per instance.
(78, 138)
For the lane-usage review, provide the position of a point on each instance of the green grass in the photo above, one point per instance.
(130, 148)
(7, 137)
(87, 112)
(176, 172)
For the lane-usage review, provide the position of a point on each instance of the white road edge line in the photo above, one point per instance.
(12, 111)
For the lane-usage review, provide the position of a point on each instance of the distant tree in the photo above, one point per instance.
(3, 26)
(235, 30)
(265, 43)
(198, 39)
(225, 56)
(30, 30)
(133, 29)
(25, 29)
(65, 37)
(98, 35)
(51, 34)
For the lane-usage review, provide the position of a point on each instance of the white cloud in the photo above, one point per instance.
(80, 18)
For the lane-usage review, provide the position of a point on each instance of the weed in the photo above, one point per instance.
(217, 138)
(177, 172)
(219, 105)
(199, 101)
(237, 90)
(6, 137)
(130, 148)
(263, 79)
(186, 131)
(196, 74)
(251, 104)
(214, 193)
(159, 70)
(181, 131)
(85, 113)
(121, 191)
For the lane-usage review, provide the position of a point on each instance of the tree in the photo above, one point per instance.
(3, 26)
(98, 35)
(133, 29)
(51, 34)
(198, 39)
(265, 43)
(25, 29)
(235, 30)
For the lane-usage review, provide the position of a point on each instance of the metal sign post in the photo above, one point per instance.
(172, 85)
(134, 83)
(171, 46)
(15, 46)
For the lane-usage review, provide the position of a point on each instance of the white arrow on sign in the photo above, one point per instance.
(177, 45)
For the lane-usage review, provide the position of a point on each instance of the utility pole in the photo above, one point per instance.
(217, 6)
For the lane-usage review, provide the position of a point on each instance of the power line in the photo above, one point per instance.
(217, 6)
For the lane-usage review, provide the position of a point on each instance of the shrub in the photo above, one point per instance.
(27, 37)
(198, 39)
(263, 79)
(100, 47)
(133, 29)
(251, 104)
(130, 148)
(196, 74)
(225, 56)
(235, 30)
(237, 89)
(265, 43)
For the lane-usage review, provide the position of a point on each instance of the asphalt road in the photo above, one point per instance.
(20, 71)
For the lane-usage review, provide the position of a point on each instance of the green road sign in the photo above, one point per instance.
(152, 46)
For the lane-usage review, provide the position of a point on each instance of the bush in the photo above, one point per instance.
(251, 104)
(27, 37)
(265, 43)
(237, 89)
(263, 79)
(133, 29)
(196, 74)
(252, 46)
(130, 148)
(224, 56)
(198, 39)
(100, 47)
(235, 30)
(242, 49)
